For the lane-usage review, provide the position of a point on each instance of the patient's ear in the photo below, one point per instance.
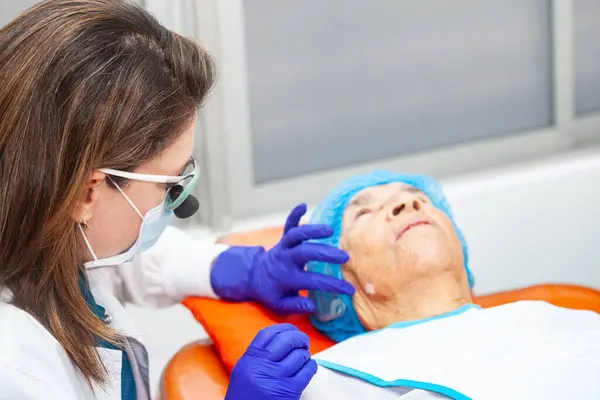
(85, 206)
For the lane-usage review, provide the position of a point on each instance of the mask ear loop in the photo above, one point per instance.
(126, 197)
(87, 242)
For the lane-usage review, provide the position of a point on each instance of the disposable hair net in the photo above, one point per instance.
(335, 315)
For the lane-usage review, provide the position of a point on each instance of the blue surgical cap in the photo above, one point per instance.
(335, 315)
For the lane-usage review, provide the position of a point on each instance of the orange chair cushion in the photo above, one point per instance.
(232, 326)
(567, 296)
(195, 372)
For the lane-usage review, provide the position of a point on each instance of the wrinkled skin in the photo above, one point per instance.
(402, 250)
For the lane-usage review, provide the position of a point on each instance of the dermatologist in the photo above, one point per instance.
(98, 106)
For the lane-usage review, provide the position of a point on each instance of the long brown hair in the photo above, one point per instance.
(84, 84)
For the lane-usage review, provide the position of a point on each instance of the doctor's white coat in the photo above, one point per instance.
(33, 365)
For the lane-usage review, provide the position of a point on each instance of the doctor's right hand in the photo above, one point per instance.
(274, 277)
(276, 365)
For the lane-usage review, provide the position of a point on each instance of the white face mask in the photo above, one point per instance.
(153, 225)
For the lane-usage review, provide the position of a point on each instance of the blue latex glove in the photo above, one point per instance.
(274, 277)
(276, 365)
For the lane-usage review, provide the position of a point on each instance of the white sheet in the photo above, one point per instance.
(524, 350)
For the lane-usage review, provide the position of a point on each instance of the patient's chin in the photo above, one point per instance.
(423, 248)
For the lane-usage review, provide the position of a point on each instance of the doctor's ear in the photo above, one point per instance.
(84, 209)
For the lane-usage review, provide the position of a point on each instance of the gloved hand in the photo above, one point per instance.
(274, 277)
(276, 365)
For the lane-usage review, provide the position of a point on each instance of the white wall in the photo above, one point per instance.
(532, 223)
(525, 224)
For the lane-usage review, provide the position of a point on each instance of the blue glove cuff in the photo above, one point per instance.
(230, 275)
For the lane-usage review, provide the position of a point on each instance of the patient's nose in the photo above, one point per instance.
(407, 203)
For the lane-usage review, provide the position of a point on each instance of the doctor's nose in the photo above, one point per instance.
(407, 203)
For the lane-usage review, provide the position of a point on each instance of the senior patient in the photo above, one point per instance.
(425, 339)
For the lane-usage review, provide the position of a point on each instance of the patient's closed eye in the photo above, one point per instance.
(362, 212)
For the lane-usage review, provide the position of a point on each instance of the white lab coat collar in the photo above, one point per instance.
(6, 295)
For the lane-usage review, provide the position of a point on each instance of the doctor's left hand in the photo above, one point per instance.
(274, 277)
(276, 365)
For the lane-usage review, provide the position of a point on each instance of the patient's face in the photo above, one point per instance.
(395, 235)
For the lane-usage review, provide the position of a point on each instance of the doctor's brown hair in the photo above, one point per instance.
(84, 84)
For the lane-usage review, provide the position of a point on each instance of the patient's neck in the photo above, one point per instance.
(420, 298)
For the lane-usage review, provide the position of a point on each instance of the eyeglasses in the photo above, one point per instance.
(178, 187)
